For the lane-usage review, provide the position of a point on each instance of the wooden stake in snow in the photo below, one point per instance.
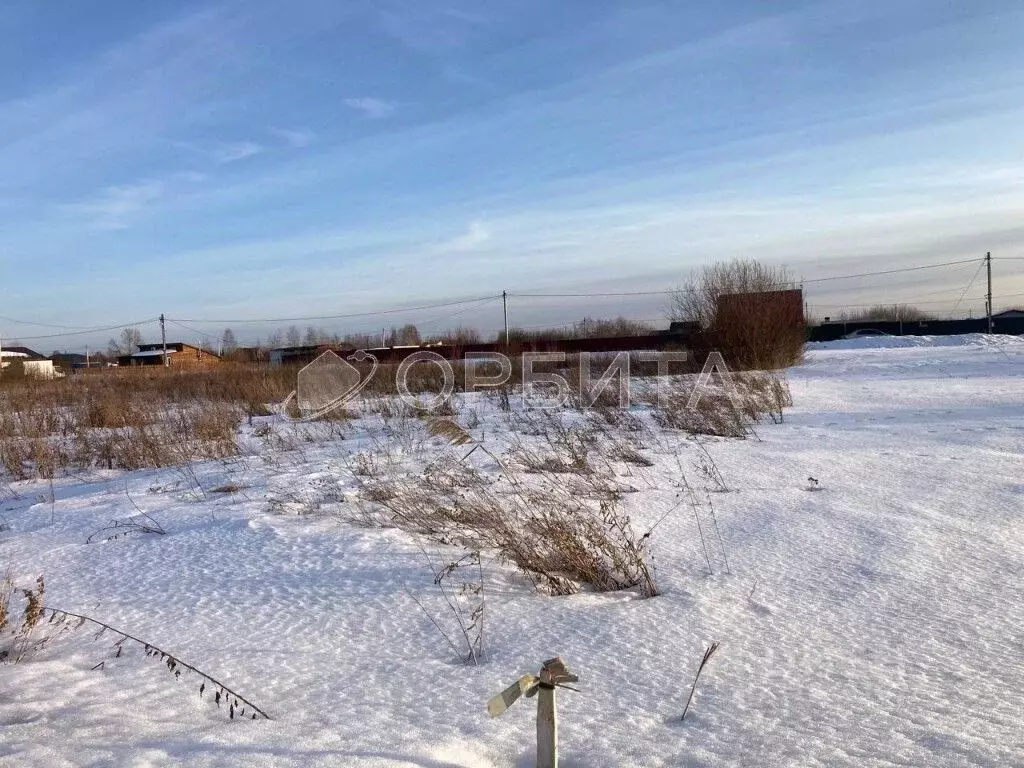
(707, 657)
(553, 674)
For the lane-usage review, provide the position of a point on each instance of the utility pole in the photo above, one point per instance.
(163, 338)
(988, 300)
(504, 309)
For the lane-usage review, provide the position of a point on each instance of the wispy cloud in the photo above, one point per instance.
(114, 207)
(475, 235)
(426, 28)
(296, 138)
(223, 152)
(371, 107)
(234, 151)
(193, 177)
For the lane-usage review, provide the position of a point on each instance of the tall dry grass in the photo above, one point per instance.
(129, 419)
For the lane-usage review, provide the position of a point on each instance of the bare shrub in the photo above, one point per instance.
(554, 534)
(739, 308)
(460, 582)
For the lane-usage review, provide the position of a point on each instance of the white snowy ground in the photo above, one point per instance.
(876, 621)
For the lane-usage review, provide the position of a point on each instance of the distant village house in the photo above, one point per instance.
(23, 361)
(178, 355)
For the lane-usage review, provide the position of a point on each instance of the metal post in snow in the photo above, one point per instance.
(553, 674)
(547, 728)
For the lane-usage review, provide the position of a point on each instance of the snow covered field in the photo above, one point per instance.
(873, 618)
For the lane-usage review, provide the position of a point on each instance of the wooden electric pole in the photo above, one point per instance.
(988, 301)
(504, 309)
(163, 339)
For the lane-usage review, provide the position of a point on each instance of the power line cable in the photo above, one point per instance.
(890, 271)
(342, 316)
(886, 303)
(42, 325)
(78, 331)
(442, 318)
(965, 290)
(800, 282)
(86, 331)
(574, 295)
(187, 328)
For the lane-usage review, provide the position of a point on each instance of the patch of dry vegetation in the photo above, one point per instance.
(729, 408)
(560, 533)
(130, 419)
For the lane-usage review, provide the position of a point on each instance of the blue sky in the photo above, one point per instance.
(248, 160)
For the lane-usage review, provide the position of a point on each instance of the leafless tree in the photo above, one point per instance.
(407, 334)
(129, 342)
(754, 329)
(228, 343)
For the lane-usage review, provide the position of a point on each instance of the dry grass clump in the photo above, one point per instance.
(18, 636)
(712, 414)
(564, 535)
(728, 409)
(562, 531)
(765, 394)
(565, 446)
(559, 540)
